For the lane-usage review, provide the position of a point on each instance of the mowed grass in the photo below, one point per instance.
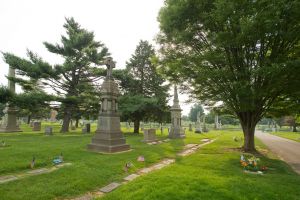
(289, 135)
(88, 171)
(213, 173)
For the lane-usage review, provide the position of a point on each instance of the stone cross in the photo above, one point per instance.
(9, 123)
(110, 64)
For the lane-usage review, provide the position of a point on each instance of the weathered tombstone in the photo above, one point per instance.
(9, 123)
(31, 123)
(36, 126)
(53, 114)
(198, 128)
(48, 130)
(204, 125)
(176, 130)
(73, 128)
(88, 128)
(108, 137)
(217, 122)
(149, 135)
(84, 130)
(190, 127)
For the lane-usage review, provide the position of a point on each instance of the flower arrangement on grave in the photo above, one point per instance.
(252, 164)
(58, 160)
(32, 163)
(127, 166)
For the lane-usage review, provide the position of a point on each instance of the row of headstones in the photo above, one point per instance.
(36, 126)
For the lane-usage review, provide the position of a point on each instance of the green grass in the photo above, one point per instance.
(211, 173)
(289, 135)
(89, 170)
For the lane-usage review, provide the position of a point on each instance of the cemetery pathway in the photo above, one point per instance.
(287, 150)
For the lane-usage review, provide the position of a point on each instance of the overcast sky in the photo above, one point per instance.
(119, 24)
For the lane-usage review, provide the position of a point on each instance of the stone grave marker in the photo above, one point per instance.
(190, 127)
(88, 128)
(36, 126)
(48, 130)
(149, 135)
(131, 177)
(110, 187)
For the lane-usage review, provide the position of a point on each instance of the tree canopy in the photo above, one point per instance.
(194, 111)
(72, 80)
(145, 94)
(243, 53)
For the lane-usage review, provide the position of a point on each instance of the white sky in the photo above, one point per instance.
(119, 24)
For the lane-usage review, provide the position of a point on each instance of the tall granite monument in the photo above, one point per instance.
(108, 137)
(9, 122)
(176, 130)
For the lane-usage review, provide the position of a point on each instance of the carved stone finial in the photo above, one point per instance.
(110, 64)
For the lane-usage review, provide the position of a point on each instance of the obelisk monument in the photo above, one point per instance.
(108, 137)
(198, 128)
(176, 130)
(9, 122)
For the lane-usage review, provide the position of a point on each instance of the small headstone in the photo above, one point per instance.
(205, 140)
(88, 128)
(131, 177)
(190, 127)
(149, 135)
(110, 187)
(48, 130)
(141, 159)
(73, 128)
(31, 124)
(36, 126)
(84, 130)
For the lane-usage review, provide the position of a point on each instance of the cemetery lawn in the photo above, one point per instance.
(289, 135)
(213, 172)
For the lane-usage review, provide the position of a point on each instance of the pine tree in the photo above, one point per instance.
(81, 54)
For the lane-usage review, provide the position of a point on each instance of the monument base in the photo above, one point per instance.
(108, 143)
(198, 131)
(176, 133)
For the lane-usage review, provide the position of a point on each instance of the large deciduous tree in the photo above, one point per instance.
(72, 79)
(194, 112)
(243, 53)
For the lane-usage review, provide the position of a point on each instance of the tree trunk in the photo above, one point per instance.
(66, 120)
(136, 126)
(77, 122)
(28, 119)
(294, 127)
(248, 122)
